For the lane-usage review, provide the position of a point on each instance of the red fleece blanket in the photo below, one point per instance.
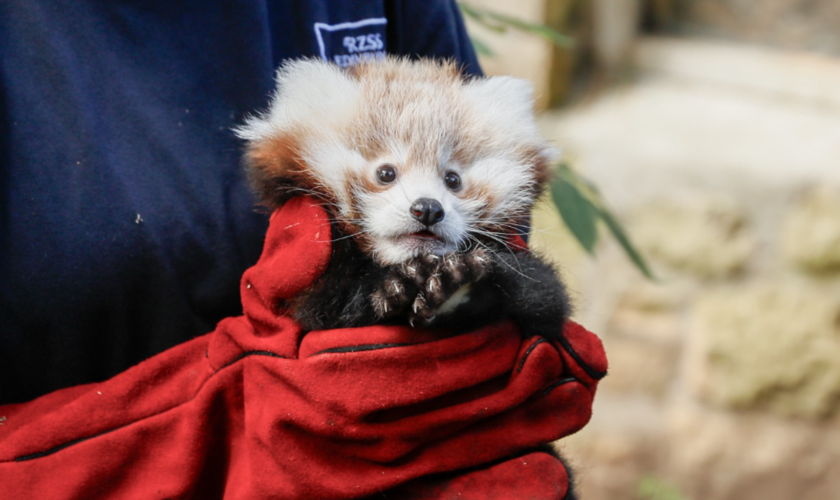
(258, 410)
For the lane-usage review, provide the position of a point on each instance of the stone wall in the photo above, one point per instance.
(725, 372)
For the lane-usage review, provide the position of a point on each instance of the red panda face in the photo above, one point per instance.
(409, 157)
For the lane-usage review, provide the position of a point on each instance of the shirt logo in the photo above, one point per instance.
(348, 44)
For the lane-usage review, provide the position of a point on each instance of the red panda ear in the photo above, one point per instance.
(503, 100)
(508, 104)
(276, 168)
(541, 158)
(312, 95)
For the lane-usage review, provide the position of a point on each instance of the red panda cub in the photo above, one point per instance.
(426, 175)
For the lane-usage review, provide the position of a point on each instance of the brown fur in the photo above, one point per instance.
(329, 130)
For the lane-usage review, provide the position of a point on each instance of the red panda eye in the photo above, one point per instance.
(386, 174)
(452, 180)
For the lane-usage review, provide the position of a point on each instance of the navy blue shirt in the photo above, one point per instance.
(125, 220)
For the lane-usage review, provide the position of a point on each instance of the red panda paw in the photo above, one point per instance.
(421, 314)
(395, 294)
(479, 263)
(421, 288)
(451, 273)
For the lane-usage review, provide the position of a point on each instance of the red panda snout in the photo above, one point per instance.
(427, 211)
(415, 215)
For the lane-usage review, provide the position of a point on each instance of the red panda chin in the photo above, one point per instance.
(425, 235)
(423, 243)
(400, 249)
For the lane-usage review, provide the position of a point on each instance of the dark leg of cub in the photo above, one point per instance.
(520, 286)
(340, 298)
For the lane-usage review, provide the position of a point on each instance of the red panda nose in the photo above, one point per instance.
(427, 211)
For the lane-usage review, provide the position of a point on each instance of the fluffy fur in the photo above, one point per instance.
(328, 131)
(426, 240)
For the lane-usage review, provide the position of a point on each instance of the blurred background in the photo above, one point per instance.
(712, 130)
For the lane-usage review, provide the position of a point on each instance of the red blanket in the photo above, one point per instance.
(257, 410)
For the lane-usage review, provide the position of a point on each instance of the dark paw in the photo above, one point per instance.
(449, 273)
(395, 295)
(444, 276)
(419, 287)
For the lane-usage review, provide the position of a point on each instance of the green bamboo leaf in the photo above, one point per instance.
(577, 212)
(588, 190)
(542, 30)
(469, 11)
(584, 185)
(650, 488)
(621, 236)
(499, 22)
(481, 17)
(481, 48)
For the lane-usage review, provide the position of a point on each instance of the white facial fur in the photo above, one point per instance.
(336, 129)
(388, 217)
